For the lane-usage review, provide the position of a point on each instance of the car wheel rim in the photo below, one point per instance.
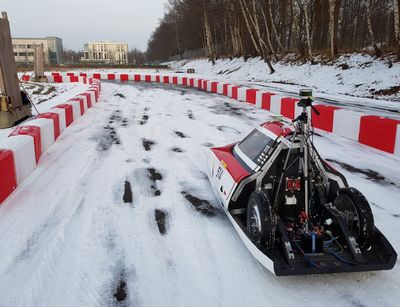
(349, 213)
(255, 223)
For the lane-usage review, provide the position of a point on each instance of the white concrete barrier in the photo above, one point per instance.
(23, 148)
(61, 117)
(242, 94)
(46, 132)
(347, 124)
(276, 102)
(76, 107)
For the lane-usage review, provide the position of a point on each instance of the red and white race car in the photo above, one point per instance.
(294, 212)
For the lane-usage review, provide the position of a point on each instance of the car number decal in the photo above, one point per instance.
(220, 171)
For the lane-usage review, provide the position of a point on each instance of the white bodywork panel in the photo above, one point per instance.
(224, 185)
(264, 260)
(221, 180)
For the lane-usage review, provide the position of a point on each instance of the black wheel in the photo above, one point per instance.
(259, 217)
(358, 215)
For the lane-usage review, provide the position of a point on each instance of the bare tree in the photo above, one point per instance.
(271, 28)
(267, 32)
(208, 36)
(253, 27)
(307, 21)
(277, 38)
(334, 6)
(236, 37)
(396, 11)
(378, 52)
(173, 18)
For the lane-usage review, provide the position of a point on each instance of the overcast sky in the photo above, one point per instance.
(79, 21)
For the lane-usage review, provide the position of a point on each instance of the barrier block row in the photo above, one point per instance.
(56, 77)
(374, 131)
(20, 152)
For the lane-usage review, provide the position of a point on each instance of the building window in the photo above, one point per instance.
(22, 54)
(15, 53)
(22, 46)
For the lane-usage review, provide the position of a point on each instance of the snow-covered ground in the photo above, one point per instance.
(47, 95)
(64, 92)
(82, 229)
(42, 92)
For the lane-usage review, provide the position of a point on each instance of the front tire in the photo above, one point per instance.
(259, 217)
(357, 212)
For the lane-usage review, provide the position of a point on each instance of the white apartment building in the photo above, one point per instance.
(24, 52)
(106, 52)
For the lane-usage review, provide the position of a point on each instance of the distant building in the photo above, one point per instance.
(52, 46)
(105, 52)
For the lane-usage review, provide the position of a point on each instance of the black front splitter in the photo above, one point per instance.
(381, 256)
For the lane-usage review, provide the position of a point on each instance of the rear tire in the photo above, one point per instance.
(357, 211)
(259, 217)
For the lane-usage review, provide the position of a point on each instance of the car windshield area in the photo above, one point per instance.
(254, 144)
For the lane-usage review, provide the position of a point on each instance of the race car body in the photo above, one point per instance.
(292, 210)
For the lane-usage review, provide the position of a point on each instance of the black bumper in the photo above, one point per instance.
(381, 256)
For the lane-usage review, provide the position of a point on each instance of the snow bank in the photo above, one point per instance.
(355, 74)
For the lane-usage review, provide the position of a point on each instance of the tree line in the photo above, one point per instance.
(273, 28)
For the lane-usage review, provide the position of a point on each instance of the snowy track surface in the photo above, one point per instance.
(113, 215)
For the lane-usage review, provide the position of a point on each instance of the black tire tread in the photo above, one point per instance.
(365, 214)
(264, 207)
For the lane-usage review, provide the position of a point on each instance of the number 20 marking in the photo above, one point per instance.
(220, 171)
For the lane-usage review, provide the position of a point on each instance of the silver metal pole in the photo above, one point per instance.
(306, 165)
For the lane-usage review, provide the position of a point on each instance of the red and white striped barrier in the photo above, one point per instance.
(24, 158)
(21, 151)
(8, 182)
(58, 78)
(377, 132)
